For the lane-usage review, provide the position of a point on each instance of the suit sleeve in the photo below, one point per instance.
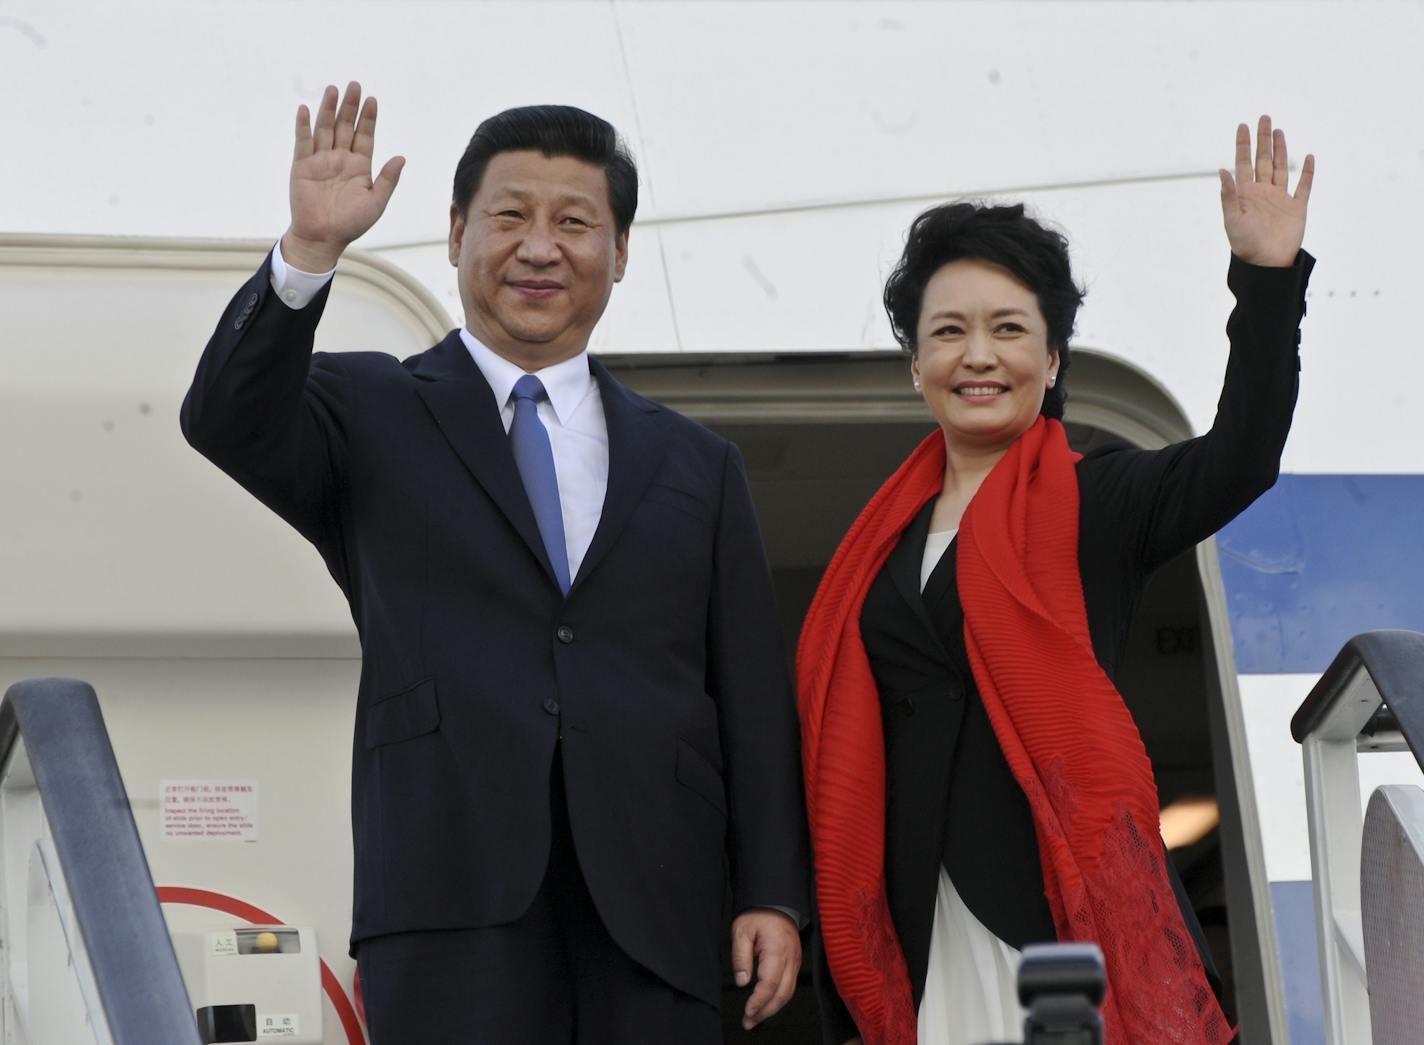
(269, 413)
(767, 835)
(1168, 500)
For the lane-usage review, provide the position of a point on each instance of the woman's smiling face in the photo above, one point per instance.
(982, 361)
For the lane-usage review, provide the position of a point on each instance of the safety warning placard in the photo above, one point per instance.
(209, 810)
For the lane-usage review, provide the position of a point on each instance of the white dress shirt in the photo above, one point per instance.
(572, 412)
(295, 287)
(936, 544)
(578, 432)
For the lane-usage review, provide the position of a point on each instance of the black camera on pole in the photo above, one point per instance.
(1062, 986)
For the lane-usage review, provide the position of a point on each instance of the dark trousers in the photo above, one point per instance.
(554, 977)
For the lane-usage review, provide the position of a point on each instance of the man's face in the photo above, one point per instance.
(538, 254)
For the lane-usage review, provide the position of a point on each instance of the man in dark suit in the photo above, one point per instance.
(573, 719)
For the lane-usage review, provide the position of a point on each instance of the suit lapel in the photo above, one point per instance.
(634, 454)
(904, 569)
(459, 398)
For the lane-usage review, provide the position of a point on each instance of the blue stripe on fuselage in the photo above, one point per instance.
(1316, 561)
(1293, 904)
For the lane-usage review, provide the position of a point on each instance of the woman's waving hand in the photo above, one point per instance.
(1265, 222)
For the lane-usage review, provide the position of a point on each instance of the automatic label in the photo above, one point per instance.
(278, 1026)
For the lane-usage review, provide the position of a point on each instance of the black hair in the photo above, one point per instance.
(1005, 236)
(554, 130)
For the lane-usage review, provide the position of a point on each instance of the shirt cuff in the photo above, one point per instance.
(790, 912)
(295, 288)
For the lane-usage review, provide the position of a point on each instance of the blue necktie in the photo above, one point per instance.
(535, 457)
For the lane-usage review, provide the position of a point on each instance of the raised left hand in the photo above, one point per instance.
(770, 939)
(1264, 222)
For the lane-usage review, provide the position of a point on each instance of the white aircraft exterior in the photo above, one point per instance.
(783, 149)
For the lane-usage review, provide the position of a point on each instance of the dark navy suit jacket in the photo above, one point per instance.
(662, 671)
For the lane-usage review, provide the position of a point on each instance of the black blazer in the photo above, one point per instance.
(951, 798)
(661, 675)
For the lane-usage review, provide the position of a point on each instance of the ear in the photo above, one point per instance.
(620, 256)
(457, 234)
(1053, 364)
(915, 369)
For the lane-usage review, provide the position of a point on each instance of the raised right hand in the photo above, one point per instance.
(1265, 222)
(334, 201)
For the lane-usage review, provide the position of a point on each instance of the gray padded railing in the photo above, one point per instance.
(54, 725)
(1371, 698)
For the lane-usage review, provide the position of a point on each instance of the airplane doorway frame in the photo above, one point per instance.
(1108, 394)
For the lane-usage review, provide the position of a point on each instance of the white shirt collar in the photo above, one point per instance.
(566, 383)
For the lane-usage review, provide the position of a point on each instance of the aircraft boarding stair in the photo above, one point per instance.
(1368, 869)
(85, 952)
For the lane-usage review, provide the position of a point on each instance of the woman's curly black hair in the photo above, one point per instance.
(1005, 236)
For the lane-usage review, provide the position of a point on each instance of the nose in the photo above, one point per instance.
(979, 351)
(538, 247)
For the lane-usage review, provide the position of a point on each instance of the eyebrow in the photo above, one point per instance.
(998, 313)
(523, 195)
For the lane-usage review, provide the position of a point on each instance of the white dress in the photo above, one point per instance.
(971, 992)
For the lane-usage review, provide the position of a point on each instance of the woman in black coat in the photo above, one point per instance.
(974, 783)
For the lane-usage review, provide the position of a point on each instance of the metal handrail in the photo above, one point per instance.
(136, 972)
(1374, 669)
(1371, 698)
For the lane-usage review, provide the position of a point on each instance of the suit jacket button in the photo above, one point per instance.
(551, 705)
(250, 304)
(565, 634)
(239, 322)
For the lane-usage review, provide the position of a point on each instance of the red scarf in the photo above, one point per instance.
(1068, 738)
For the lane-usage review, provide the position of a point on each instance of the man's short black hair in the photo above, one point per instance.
(1035, 255)
(554, 130)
